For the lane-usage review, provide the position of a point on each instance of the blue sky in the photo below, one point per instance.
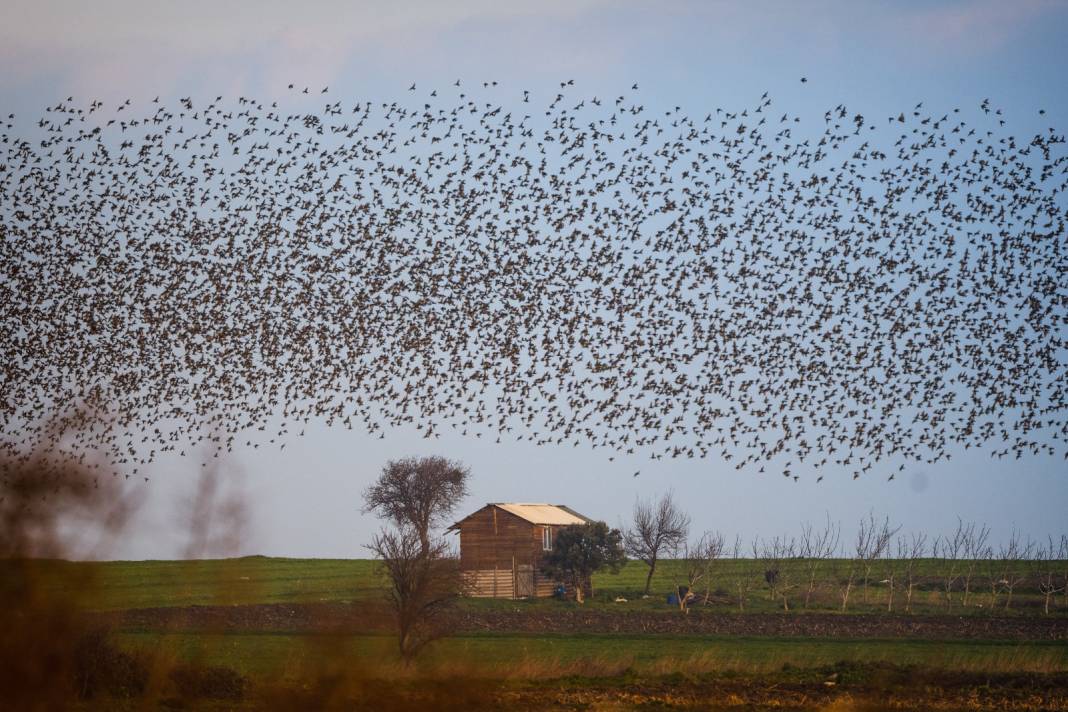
(875, 57)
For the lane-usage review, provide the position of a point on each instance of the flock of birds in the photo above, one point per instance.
(849, 291)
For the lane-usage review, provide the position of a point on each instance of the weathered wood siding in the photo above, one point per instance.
(488, 583)
(543, 585)
(500, 555)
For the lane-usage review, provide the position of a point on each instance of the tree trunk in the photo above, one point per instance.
(402, 641)
(649, 576)
(845, 595)
(424, 543)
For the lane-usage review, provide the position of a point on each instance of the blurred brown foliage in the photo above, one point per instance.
(56, 654)
(50, 653)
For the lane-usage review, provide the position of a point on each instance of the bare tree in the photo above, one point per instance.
(711, 547)
(1046, 571)
(769, 569)
(744, 579)
(687, 576)
(655, 529)
(423, 581)
(910, 551)
(891, 563)
(1013, 556)
(993, 575)
(985, 562)
(975, 544)
(1062, 556)
(816, 548)
(419, 493)
(695, 566)
(776, 556)
(949, 549)
(873, 539)
(846, 583)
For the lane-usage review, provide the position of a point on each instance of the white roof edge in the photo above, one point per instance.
(543, 513)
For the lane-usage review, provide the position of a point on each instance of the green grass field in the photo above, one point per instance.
(510, 656)
(298, 656)
(120, 585)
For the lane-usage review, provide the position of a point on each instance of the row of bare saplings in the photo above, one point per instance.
(882, 566)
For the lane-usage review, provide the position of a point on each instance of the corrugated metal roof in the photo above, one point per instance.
(543, 513)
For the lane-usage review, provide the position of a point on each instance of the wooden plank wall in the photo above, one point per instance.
(543, 585)
(493, 545)
(488, 583)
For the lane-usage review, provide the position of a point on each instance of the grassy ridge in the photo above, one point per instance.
(121, 585)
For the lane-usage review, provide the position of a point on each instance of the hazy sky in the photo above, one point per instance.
(875, 57)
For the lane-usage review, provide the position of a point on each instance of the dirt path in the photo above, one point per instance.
(1011, 693)
(811, 625)
(376, 618)
(881, 690)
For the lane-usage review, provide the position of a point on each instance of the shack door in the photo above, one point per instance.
(524, 581)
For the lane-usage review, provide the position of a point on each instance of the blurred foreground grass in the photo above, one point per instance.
(531, 657)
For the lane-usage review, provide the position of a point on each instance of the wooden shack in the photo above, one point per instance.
(501, 547)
